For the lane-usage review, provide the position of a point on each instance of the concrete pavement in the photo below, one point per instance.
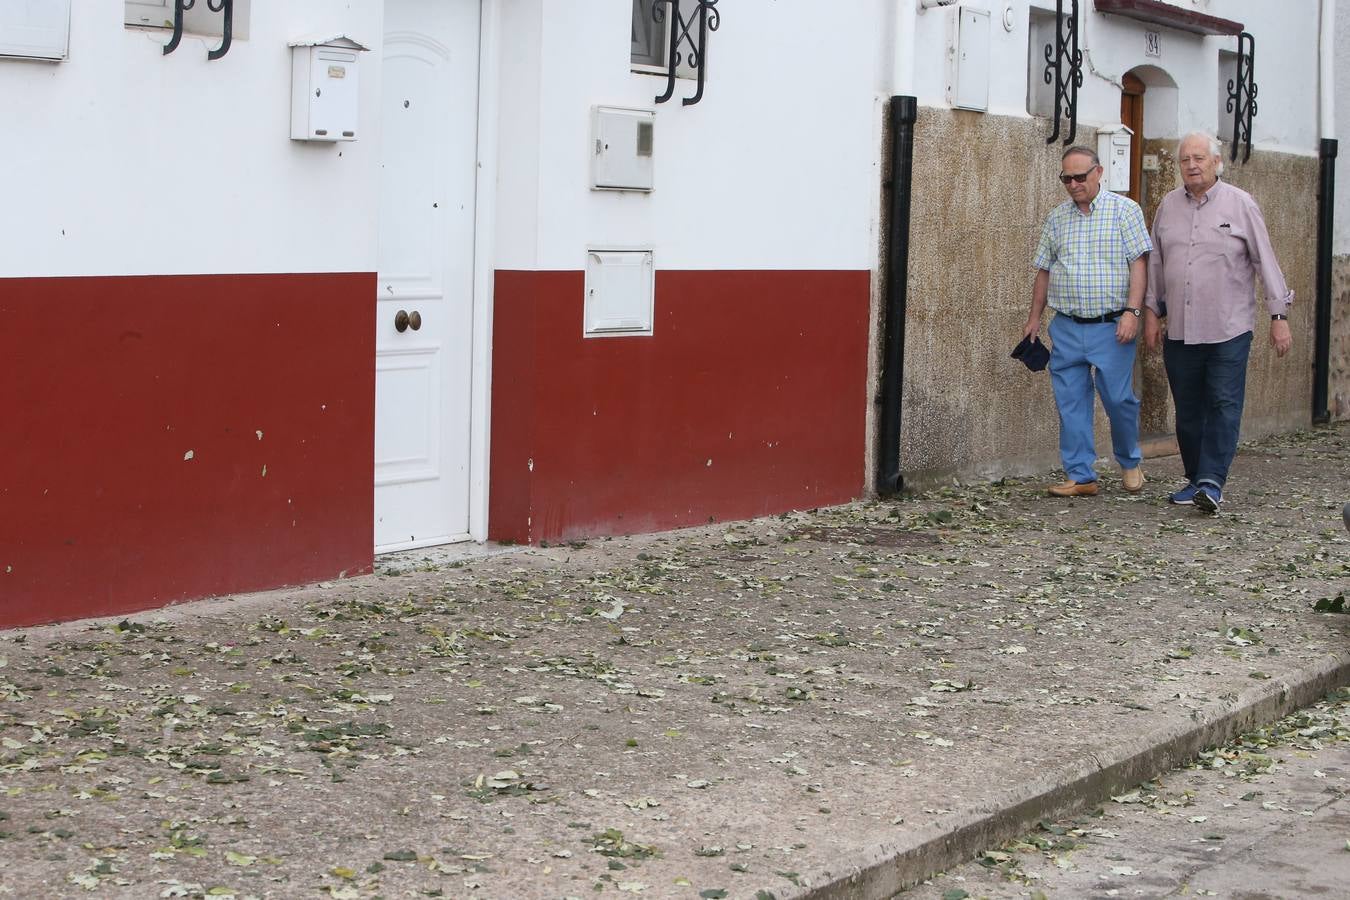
(1264, 817)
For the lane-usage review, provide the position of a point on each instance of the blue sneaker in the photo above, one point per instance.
(1208, 498)
(1183, 497)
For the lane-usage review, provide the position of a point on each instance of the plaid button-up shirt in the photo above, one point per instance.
(1088, 255)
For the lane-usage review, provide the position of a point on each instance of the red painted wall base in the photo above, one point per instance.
(749, 399)
(175, 437)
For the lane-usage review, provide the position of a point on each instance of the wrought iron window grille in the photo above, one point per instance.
(687, 43)
(226, 7)
(1242, 96)
(1064, 69)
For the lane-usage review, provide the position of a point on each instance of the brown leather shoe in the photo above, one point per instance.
(1073, 489)
(1132, 479)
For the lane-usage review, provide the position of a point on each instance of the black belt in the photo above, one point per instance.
(1094, 320)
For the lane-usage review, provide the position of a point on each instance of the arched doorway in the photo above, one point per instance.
(1149, 105)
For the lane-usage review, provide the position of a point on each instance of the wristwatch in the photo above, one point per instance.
(1134, 311)
(1279, 317)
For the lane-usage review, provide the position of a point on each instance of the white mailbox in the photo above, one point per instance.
(35, 29)
(1113, 148)
(622, 148)
(325, 89)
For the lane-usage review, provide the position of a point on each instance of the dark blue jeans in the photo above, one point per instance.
(1209, 386)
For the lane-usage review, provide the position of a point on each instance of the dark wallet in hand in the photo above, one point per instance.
(1033, 354)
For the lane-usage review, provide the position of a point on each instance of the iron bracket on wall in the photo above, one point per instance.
(1242, 96)
(683, 34)
(1064, 69)
(227, 28)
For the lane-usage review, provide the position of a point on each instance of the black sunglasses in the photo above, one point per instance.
(1080, 177)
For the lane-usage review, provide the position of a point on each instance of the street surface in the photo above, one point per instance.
(1264, 817)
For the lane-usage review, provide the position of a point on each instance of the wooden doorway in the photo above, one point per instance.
(1132, 117)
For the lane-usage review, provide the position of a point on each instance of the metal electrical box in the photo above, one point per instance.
(1113, 148)
(622, 149)
(620, 292)
(325, 89)
(969, 86)
(35, 29)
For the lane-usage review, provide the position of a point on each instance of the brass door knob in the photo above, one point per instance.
(401, 319)
(415, 320)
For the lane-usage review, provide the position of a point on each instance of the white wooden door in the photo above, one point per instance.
(424, 305)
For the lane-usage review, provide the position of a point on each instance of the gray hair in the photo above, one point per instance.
(1215, 148)
(1080, 150)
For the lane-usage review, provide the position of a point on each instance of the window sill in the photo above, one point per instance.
(662, 73)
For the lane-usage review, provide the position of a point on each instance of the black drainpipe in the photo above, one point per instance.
(1326, 202)
(904, 110)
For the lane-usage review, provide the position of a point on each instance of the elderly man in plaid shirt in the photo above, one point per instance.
(1091, 268)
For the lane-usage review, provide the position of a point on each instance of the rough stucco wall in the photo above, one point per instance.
(1338, 388)
(1279, 391)
(982, 187)
(1338, 391)
(1156, 413)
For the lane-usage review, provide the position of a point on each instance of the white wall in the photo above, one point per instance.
(124, 161)
(776, 168)
(1286, 66)
(1286, 35)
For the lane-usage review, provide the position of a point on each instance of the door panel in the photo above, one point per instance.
(429, 98)
(1132, 117)
(408, 447)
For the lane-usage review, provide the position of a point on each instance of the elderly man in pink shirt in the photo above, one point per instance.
(1210, 245)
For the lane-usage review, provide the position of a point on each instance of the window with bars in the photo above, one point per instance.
(651, 38)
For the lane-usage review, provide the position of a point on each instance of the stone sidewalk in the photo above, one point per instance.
(824, 704)
(1263, 816)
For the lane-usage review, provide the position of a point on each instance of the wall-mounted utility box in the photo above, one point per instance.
(969, 85)
(1113, 148)
(620, 292)
(325, 89)
(622, 145)
(35, 29)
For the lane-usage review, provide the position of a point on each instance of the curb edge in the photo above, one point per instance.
(882, 872)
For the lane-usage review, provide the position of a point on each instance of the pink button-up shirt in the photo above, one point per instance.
(1206, 256)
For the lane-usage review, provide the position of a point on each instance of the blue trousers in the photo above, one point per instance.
(1081, 357)
(1209, 387)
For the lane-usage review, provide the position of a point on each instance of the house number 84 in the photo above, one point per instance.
(1152, 43)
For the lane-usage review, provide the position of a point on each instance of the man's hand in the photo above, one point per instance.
(1039, 290)
(1152, 329)
(1032, 328)
(1280, 336)
(1127, 327)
